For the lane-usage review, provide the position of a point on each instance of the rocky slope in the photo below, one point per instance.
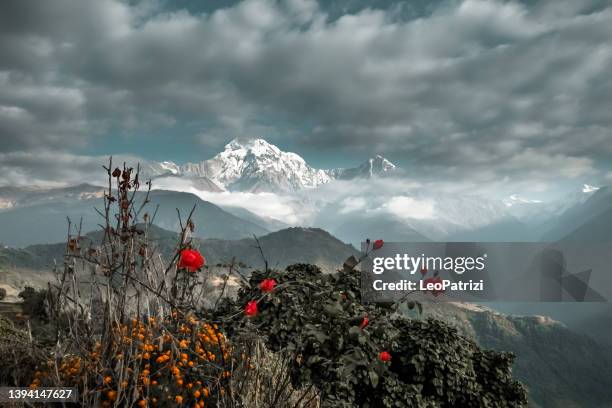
(561, 368)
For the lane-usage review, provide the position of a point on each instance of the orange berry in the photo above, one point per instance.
(111, 395)
(178, 399)
(197, 394)
(108, 379)
(142, 403)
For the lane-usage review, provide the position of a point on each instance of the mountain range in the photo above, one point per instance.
(556, 361)
(33, 265)
(351, 203)
(561, 367)
(258, 166)
(31, 216)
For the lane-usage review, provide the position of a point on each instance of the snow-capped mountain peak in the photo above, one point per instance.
(255, 165)
(375, 166)
(379, 164)
(255, 147)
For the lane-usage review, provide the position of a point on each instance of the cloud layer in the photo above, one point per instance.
(475, 90)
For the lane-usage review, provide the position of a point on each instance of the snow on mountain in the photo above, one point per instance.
(170, 166)
(258, 166)
(375, 166)
(535, 210)
(514, 199)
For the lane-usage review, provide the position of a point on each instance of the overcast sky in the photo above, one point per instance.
(474, 91)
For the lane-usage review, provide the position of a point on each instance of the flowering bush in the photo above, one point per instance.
(176, 358)
(389, 361)
(132, 335)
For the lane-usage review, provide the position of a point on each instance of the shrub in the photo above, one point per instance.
(153, 361)
(319, 320)
(17, 355)
(34, 303)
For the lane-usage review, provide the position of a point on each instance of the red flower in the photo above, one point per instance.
(191, 259)
(434, 281)
(423, 271)
(378, 244)
(251, 308)
(364, 323)
(267, 285)
(384, 356)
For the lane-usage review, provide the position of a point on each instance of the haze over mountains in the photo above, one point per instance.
(304, 214)
(40, 216)
(253, 187)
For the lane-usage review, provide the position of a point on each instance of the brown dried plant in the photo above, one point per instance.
(131, 330)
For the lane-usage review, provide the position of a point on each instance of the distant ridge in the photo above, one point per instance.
(258, 166)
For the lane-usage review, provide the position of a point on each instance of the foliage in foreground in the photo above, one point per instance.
(128, 330)
(336, 344)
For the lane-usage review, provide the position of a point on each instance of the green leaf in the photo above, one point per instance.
(373, 378)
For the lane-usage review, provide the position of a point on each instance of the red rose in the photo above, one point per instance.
(251, 308)
(191, 259)
(435, 280)
(267, 285)
(384, 356)
(364, 323)
(378, 244)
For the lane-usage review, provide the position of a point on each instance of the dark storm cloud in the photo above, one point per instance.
(485, 89)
